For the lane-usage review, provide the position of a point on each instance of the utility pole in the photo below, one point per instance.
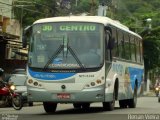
(102, 9)
(76, 3)
(107, 6)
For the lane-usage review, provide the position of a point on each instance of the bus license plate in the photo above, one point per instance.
(63, 96)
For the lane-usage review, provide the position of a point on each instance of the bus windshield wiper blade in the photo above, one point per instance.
(58, 51)
(76, 58)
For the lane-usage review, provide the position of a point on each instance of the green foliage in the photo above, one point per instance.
(85, 6)
(28, 11)
(152, 49)
(134, 13)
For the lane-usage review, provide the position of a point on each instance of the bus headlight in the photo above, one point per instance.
(35, 83)
(98, 81)
(93, 83)
(30, 81)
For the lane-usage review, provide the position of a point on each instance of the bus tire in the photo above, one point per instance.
(123, 103)
(85, 106)
(109, 106)
(49, 107)
(133, 102)
(77, 105)
(159, 99)
(30, 104)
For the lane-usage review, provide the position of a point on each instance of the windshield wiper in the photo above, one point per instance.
(54, 56)
(58, 51)
(75, 57)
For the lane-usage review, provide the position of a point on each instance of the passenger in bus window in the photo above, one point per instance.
(92, 53)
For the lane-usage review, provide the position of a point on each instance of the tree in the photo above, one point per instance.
(25, 10)
(152, 49)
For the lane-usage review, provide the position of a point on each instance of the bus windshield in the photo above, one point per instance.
(66, 45)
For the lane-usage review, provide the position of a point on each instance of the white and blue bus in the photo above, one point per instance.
(81, 60)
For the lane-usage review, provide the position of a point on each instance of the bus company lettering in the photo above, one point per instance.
(86, 75)
(44, 76)
(77, 28)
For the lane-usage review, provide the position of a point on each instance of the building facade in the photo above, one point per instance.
(10, 44)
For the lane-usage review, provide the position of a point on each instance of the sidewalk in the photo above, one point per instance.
(150, 93)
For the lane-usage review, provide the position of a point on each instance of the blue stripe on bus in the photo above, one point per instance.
(50, 76)
(135, 73)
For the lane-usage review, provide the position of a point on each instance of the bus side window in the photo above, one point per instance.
(127, 46)
(138, 50)
(121, 44)
(133, 51)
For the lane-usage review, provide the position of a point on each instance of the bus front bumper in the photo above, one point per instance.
(86, 95)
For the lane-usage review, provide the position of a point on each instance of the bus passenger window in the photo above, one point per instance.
(133, 51)
(121, 44)
(138, 50)
(127, 46)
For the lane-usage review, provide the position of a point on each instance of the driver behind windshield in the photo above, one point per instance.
(90, 56)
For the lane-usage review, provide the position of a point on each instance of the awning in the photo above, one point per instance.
(22, 54)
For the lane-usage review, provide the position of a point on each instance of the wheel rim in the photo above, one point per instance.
(16, 101)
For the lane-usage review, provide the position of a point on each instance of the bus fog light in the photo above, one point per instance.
(93, 83)
(30, 81)
(35, 83)
(99, 96)
(40, 85)
(102, 77)
(98, 81)
(87, 85)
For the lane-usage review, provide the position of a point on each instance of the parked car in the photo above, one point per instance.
(19, 77)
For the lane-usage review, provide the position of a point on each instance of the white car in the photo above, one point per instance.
(19, 77)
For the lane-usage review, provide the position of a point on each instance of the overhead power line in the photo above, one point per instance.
(35, 4)
(23, 8)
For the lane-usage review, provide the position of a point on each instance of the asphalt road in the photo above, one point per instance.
(146, 107)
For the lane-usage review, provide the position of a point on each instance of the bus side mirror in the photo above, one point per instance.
(111, 43)
(26, 35)
(110, 39)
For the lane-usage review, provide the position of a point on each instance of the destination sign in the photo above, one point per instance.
(69, 28)
(77, 28)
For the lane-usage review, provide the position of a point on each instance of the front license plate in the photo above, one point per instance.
(63, 96)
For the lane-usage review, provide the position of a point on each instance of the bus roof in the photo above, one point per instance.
(93, 19)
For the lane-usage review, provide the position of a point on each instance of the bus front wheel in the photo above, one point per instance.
(85, 106)
(49, 107)
(109, 106)
(123, 103)
(77, 105)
